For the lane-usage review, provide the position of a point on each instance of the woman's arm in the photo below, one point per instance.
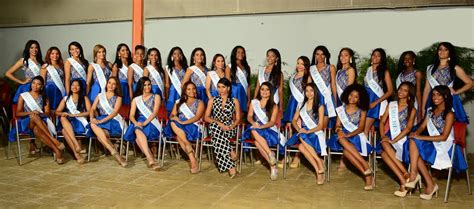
(333, 82)
(115, 70)
(59, 110)
(446, 130)
(67, 76)
(383, 121)
(250, 116)
(461, 74)
(351, 76)
(208, 86)
(167, 85)
(320, 125)
(237, 114)
(407, 130)
(156, 108)
(90, 71)
(18, 65)
(273, 119)
(419, 98)
(280, 93)
(207, 116)
(114, 113)
(387, 94)
(187, 77)
(360, 128)
(295, 119)
(426, 93)
(130, 81)
(133, 110)
(198, 116)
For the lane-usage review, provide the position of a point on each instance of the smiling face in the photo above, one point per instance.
(309, 93)
(375, 58)
(222, 89)
(271, 58)
(191, 91)
(219, 63)
(75, 87)
(300, 65)
(408, 61)
(443, 52)
(320, 57)
(147, 87)
(240, 55)
(74, 51)
(177, 55)
(100, 54)
(33, 50)
(139, 55)
(265, 92)
(153, 57)
(111, 85)
(437, 98)
(353, 97)
(198, 57)
(345, 57)
(123, 52)
(403, 92)
(36, 85)
(54, 56)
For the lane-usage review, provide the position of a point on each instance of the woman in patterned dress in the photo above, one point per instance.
(272, 73)
(136, 69)
(408, 72)
(54, 62)
(223, 114)
(75, 67)
(101, 63)
(176, 66)
(394, 142)
(197, 73)
(240, 84)
(216, 72)
(123, 58)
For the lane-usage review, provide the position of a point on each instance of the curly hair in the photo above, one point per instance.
(363, 102)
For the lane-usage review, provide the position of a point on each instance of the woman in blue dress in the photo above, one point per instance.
(395, 125)
(446, 71)
(273, 74)
(176, 66)
(187, 111)
(73, 112)
(136, 69)
(75, 67)
(378, 85)
(407, 72)
(33, 118)
(346, 75)
(310, 130)
(320, 64)
(159, 79)
(52, 72)
(436, 147)
(105, 118)
(145, 127)
(30, 63)
(197, 73)
(238, 72)
(98, 73)
(123, 58)
(262, 116)
(214, 75)
(350, 137)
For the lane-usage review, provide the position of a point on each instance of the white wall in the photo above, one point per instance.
(293, 34)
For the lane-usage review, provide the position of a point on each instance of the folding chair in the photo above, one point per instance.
(174, 141)
(250, 145)
(459, 140)
(61, 135)
(158, 140)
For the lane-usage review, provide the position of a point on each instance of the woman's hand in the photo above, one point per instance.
(341, 135)
(255, 126)
(95, 121)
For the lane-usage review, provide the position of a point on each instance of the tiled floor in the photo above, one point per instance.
(42, 183)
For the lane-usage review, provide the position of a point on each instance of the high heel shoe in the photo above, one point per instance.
(367, 172)
(399, 193)
(61, 146)
(273, 173)
(119, 159)
(271, 159)
(154, 166)
(295, 165)
(320, 182)
(412, 184)
(430, 196)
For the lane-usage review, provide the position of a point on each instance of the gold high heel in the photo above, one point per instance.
(412, 184)
(430, 196)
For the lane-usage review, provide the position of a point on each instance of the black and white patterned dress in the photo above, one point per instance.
(220, 138)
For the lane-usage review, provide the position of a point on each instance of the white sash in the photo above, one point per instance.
(308, 121)
(442, 160)
(174, 80)
(242, 79)
(214, 77)
(395, 129)
(399, 80)
(31, 103)
(78, 67)
(33, 67)
(124, 70)
(108, 109)
(187, 112)
(297, 94)
(341, 112)
(137, 69)
(199, 73)
(157, 77)
(261, 79)
(146, 112)
(263, 117)
(433, 82)
(376, 88)
(56, 79)
(318, 80)
(100, 76)
(73, 109)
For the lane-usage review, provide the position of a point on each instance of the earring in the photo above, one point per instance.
(449, 58)
(325, 60)
(172, 59)
(350, 61)
(413, 63)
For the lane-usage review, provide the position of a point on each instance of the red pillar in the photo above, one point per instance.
(137, 23)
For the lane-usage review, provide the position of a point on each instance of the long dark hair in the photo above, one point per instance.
(401, 61)
(363, 96)
(118, 89)
(81, 54)
(224, 81)
(325, 52)
(352, 62)
(42, 90)
(195, 50)
(453, 61)
(382, 67)
(411, 94)
(233, 63)
(276, 74)
(184, 97)
(48, 58)
(82, 93)
(306, 74)
(170, 63)
(270, 102)
(213, 65)
(448, 99)
(315, 99)
(141, 85)
(26, 53)
(118, 61)
(160, 69)
(141, 47)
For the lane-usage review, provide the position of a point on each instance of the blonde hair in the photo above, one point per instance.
(96, 50)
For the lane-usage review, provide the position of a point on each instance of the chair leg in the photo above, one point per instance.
(19, 150)
(468, 181)
(200, 154)
(89, 150)
(450, 173)
(241, 157)
(126, 151)
(284, 162)
(329, 165)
